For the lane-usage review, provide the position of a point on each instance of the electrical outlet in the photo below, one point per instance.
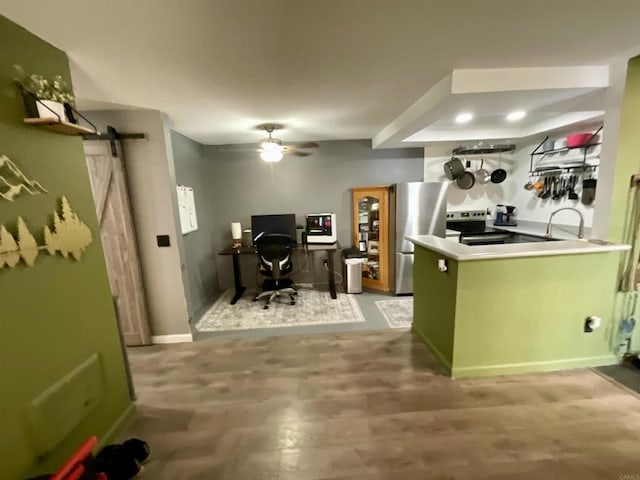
(592, 323)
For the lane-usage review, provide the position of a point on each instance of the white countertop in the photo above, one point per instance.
(457, 251)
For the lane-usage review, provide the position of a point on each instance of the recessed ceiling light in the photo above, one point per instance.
(517, 115)
(464, 118)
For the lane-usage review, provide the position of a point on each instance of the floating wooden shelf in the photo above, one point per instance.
(57, 126)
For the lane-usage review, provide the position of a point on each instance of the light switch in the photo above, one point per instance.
(163, 240)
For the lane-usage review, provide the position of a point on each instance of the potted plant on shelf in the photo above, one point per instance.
(46, 98)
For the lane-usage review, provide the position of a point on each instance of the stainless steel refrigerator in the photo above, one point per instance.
(415, 208)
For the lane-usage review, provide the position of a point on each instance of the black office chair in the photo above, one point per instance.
(274, 254)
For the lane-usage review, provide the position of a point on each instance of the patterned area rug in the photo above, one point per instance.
(398, 313)
(313, 307)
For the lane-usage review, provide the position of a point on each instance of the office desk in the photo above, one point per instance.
(236, 252)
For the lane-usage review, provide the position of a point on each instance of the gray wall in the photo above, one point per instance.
(199, 258)
(241, 185)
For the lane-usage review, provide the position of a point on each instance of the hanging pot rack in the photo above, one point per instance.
(484, 149)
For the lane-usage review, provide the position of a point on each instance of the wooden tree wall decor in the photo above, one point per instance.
(69, 236)
(13, 182)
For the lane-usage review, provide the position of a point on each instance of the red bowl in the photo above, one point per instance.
(578, 139)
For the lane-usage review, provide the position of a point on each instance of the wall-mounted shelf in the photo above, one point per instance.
(555, 169)
(558, 170)
(566, 149)
(58, 126)
(58, 123)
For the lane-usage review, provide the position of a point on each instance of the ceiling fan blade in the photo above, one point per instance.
(302, 145)
(297, 153)
(239, 149)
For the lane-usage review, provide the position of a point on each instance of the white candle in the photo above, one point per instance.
(236, 231)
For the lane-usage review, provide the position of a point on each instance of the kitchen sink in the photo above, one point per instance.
(501, 238)
(599, 242)
(527, 238)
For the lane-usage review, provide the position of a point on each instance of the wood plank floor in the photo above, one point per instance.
(370, 406)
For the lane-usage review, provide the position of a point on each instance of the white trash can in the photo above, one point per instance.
(353, 275)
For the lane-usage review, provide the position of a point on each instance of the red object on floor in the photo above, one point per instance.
(76, 473)
(73, 468)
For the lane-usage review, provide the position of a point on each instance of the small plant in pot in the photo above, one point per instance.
(46, 98)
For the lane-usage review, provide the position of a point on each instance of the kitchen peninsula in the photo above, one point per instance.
(515, 308)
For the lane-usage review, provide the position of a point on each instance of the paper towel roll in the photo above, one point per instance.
(236, 231)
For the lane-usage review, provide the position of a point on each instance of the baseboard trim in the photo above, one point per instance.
(439, 356)
(119, 425)
(179, 338)
(532, 367)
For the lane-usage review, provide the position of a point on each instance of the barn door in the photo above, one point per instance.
(111, 198)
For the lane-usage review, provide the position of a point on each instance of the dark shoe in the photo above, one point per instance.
(138, 449)
(117, 463)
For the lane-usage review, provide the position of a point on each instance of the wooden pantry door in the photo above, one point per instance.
(113, 208)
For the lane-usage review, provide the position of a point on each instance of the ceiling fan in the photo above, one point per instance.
(272, 150)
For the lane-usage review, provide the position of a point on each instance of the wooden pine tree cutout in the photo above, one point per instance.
(27, 245)
(8, 249)
(69, 235)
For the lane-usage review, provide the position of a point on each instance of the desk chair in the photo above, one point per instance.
(274, 256)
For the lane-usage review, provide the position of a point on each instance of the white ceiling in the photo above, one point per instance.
(552, 97)
(332, 69)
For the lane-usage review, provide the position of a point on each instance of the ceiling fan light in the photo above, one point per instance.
(270, 145)
(271, 155)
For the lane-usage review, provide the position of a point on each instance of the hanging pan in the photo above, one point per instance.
(482, 176)
(499, 175)
(467, 180)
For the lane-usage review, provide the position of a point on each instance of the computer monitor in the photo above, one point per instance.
(284, 223)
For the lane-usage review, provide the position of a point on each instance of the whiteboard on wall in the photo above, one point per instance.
(187, 209)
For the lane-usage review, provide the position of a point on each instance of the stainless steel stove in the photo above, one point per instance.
(468, 221)
(474, 230)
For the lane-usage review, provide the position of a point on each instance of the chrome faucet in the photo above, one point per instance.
(580, 228)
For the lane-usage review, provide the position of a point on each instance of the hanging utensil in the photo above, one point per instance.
(572, 189)
(545, 189)
(482, 176)
(499, 175)
(556, 189)
(538, 186)
(467, 180)
(589, 190)
(453, 168)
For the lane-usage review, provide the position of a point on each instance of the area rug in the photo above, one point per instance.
(313, 307)
(398, 313)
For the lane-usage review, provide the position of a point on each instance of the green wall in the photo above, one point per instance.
(627, 163)
(527, 314)
(515, 315)
(434, 308)
(627, 157)
(55, 315)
